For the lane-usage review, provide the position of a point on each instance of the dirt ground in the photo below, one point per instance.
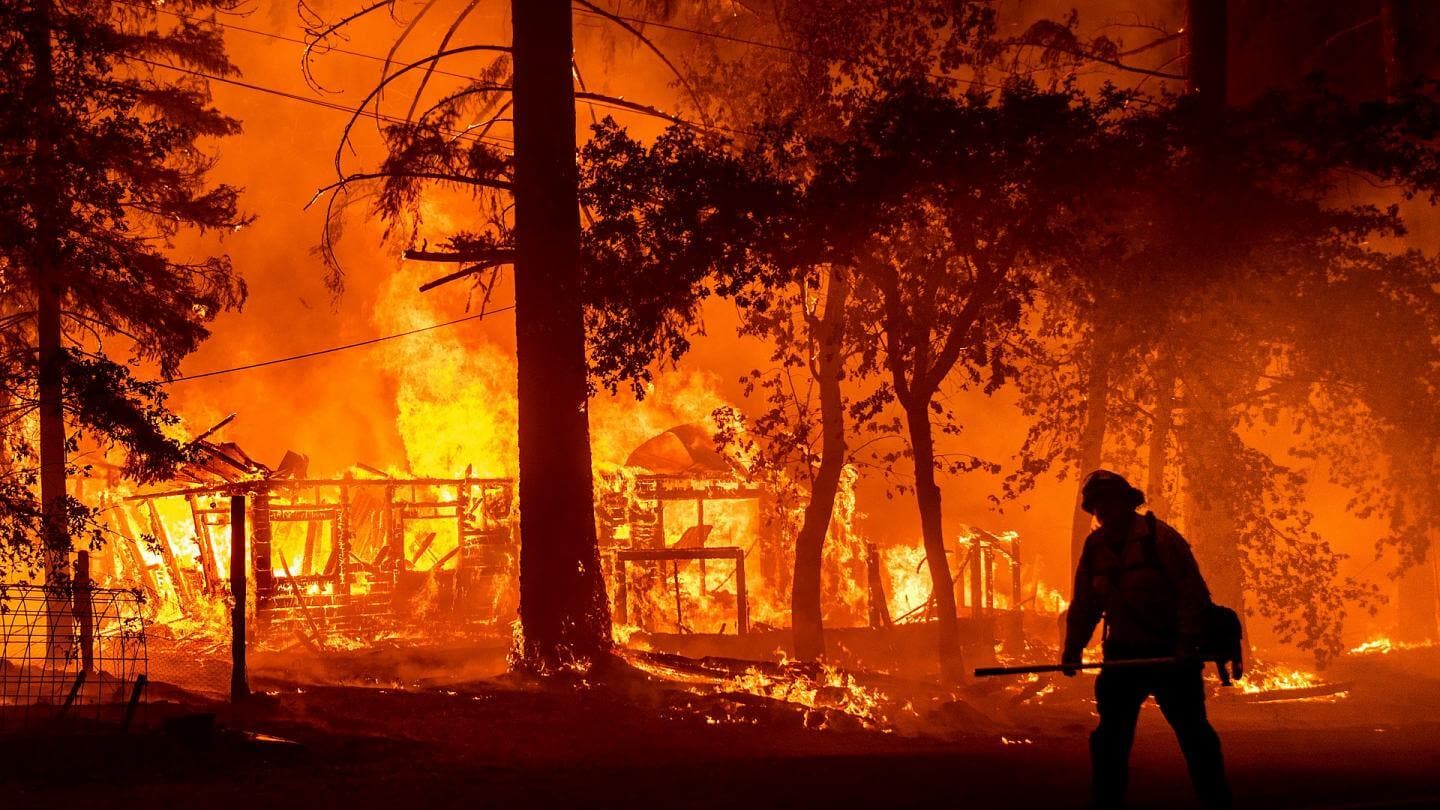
(636, 741)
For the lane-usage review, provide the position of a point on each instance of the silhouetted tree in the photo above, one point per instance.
(1231, 244)
(832, 59)
(103, 114)
(946, 207)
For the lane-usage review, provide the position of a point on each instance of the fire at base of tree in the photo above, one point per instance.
(689, 403)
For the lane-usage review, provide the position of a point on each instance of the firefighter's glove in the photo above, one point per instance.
(1070, 664)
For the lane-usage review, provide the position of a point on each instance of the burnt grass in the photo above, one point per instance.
(506, 741)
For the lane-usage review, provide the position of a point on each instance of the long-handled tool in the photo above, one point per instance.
(985, 672)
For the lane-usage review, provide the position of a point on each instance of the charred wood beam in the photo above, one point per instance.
(207, 434)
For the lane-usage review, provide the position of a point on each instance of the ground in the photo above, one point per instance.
(634, 740)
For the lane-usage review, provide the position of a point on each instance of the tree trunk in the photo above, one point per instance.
(1092, 441)
(50, 356)
(1160, 427)
(1207, 67)
(805, 598)
(52, 464)
(564, 614)
(927, 497)
(1402, 41)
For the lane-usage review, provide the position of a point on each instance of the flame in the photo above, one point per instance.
(1271, 680)
(1382, 645)
(833, 689)
(1278, 681)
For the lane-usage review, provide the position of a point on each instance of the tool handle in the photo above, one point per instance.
(985, 672)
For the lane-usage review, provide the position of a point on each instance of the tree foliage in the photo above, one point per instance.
(103, 167)
(1239, 261)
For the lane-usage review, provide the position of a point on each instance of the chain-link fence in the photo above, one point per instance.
(192, 654)
(70, 654)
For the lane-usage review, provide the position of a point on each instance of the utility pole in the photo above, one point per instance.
(564, 613)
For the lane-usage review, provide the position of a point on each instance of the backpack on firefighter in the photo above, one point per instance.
(1221, 633)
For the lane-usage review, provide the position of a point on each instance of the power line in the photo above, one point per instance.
(329, 105)
(283, 38)
(333, 349)
(376, 58)
(762, 44)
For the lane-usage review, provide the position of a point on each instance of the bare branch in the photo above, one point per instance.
(635, 32)
(499, 185)
(380, 88)
(444, 43)
(317, 36)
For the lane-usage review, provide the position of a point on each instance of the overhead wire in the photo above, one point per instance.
(330, 105)
(333, 349)
(784, 48)
(590, 102)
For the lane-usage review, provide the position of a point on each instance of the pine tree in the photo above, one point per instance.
(102, 112)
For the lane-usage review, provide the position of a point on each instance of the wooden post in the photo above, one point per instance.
(394, 551)
(84, 616)
(259, 539)
(977, 578)
(341, 553)
(1015, 593)
(879, 604)
(742, 596)
(239, 683)
(622, 592)
(130, 707)
(987, 567)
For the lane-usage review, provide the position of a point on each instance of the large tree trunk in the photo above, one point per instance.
(927, 497)
(564, 614)
(1402, 43)
(52, 465)
(50, 355)
(1207, 67)
(1159, 450)
(1092, 441)
(805, 598)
